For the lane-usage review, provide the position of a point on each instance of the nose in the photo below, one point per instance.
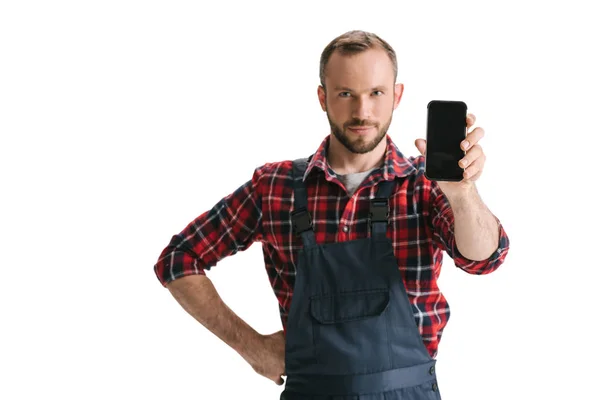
(362, 108)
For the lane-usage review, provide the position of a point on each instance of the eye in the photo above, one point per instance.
(344, 94)
(378, 93)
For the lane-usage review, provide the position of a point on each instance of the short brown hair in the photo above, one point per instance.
(354, 42)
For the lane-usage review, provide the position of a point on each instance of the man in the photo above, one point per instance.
(352, 239)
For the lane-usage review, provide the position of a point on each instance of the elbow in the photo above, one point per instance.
(485, 265)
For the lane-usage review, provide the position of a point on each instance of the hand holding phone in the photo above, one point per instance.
(446, 129)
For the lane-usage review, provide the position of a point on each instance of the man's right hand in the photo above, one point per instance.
(265, 353)
(268, 357)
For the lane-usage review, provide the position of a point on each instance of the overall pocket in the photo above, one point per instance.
(350, 331)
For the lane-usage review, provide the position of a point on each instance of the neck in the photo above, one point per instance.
(343, 161)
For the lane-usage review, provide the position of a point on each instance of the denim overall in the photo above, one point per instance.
(351, 333)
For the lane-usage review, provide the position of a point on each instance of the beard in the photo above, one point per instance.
(360, 145)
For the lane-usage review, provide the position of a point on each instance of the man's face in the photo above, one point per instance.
(359, 98)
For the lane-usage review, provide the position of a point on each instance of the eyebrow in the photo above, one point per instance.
(347, 89)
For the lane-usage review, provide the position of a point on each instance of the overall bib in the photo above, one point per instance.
(351, 333)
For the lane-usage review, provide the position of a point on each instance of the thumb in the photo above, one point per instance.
(421, 145)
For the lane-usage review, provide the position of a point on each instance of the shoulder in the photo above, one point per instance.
(418, 163)
(274, 170)
(273, 177)
(425, 189)
(417, 172)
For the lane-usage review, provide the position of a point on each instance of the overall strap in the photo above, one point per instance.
(379, 209)
(301, 220)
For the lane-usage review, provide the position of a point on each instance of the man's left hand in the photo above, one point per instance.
(472, 163)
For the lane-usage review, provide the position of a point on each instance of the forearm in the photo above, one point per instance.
(198, 296)
(475, 228)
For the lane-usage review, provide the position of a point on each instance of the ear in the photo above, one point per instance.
(398, 90)
(321, 95)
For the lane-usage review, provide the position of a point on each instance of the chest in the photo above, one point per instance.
(338, 216)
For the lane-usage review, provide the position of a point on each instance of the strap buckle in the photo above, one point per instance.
(379, 211)
(301, 221)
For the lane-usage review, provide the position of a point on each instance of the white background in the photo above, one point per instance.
(122, 121)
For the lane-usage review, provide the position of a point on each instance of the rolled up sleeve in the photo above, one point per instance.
(442, 222)
(230, 226)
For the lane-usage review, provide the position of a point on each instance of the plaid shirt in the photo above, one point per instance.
(421, 229)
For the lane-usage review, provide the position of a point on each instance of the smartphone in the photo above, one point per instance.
(446, 129)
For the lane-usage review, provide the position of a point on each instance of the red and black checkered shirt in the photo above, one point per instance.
(420, 227)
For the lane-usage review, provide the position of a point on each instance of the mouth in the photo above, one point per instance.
(361, 130)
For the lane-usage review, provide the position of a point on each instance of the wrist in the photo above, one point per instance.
(249, 346)
(462, 194)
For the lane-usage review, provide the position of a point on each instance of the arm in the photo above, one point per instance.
(198, 296)
(462, 224)
(232, 225)
(475, 227)
(466, 229)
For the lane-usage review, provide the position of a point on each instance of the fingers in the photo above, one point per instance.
(473, 154)
(470, 120)
(474, 159)
(472, 138)
(270, 362)
(474, 177)
(421, 145)
(280, 336)
(475, 167)
(475, 136)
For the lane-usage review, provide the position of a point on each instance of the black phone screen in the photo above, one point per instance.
(446, 129)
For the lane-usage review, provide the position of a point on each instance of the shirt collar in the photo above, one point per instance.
(394, 164)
